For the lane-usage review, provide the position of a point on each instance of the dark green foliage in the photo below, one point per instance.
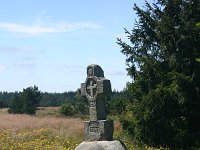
(47, 99)
(75, 104)
(81, 103)
(163, 60)
(66, 109)
(6, 98)
(26, 101)
(56, 99)
(16, 106)
(31, 98)
(118, 103)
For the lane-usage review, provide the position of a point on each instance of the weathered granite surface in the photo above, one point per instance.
(101, 145)
(96, 88)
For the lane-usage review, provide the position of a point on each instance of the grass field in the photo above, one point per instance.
(39, 132)
(48, 131)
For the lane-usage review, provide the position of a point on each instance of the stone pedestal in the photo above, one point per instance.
(101, 145)
(101, 130)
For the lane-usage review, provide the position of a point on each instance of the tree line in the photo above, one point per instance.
(46, 98)
(71, 102)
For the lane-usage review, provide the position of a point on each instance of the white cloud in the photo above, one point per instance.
(117, 73)
(71, 68)
(14, 50)
(40, 28)
(24, 65)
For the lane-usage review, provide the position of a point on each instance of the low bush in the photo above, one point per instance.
(67, 109)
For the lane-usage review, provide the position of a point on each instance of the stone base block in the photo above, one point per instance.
(100, 130)
(101, 145)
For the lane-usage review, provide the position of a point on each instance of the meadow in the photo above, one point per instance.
(47, 130)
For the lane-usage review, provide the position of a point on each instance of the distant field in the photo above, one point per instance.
(42, 111)
(44, 118)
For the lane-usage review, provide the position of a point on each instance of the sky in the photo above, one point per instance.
(50, 43)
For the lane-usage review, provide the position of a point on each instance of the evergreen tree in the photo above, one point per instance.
(30, 99)
(163, 61)
(16, 106)
(118, 103)
(25, 101)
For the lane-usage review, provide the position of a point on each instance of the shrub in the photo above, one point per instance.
(66, 109)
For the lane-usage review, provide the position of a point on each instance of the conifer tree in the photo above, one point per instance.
(30, 99)
(26, 101)
(163, 61)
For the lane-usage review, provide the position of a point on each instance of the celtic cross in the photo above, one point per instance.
(91, 88)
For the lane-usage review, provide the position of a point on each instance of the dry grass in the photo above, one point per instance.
(70, 126)
(46, 117)
(4, 111)
(48, 111)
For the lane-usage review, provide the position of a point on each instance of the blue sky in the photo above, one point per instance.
(49, 43)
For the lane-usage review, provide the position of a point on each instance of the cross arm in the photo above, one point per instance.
(104, 87)
(83, 89)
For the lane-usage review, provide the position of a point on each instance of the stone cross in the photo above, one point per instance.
(96, 88)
